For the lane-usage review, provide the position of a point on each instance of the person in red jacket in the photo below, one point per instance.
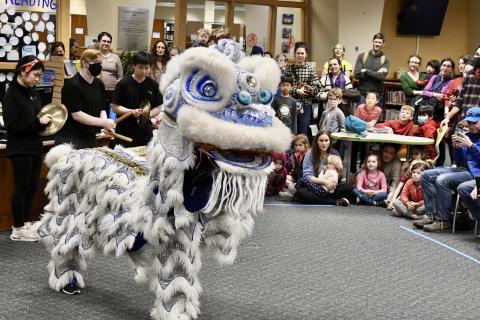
(277, 179)
(411, 203)
(427, 128)
(402, 126)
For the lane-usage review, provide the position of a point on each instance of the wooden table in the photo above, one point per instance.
(379, 138)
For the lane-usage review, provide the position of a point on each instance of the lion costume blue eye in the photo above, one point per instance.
(244, 98)
(199, 86)
(265, 96)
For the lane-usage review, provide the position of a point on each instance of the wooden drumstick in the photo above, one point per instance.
(118, 136)
(124, 116)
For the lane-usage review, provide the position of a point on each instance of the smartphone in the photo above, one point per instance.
(477, 180)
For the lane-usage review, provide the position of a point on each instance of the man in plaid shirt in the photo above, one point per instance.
(469, 95)
(306, 85)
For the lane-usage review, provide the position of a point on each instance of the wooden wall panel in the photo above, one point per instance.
(79, 21)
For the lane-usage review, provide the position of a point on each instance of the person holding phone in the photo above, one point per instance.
(438, 183)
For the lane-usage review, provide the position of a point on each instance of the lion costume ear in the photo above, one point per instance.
(265, 70)
(207, 78)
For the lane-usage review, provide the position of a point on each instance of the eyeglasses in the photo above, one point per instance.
(414, 62)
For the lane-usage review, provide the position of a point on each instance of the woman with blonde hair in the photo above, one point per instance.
(339, 53)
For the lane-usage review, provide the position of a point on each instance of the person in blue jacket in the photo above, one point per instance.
(468, 190)
(438, 183)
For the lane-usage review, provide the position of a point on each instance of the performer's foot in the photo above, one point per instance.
(71, 289)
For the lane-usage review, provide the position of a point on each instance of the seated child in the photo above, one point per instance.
(371, 183)
(411, 203)
(369, 111)
(277, 178)
(331, 172)
(300, 147)
(333, 119)
(427, 128)
(403, 125)
(285, 106)
(417, 154)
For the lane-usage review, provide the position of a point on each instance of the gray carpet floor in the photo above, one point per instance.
(300, 263)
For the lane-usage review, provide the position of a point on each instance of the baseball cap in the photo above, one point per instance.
(473, 114)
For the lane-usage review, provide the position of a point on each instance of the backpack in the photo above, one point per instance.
(365, 56)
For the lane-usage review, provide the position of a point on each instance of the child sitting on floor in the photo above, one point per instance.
(371, 183)
(402, 126)
(277, 178)
(427, 128)
(417, 154)
(300, 147)
(331, 172)
(411, 204)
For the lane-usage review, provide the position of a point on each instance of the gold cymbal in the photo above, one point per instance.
(59, 116)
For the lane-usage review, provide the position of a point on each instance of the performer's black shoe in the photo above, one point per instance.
(71, 289)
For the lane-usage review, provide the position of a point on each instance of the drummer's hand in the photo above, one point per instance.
(444, 122)
(108, 124)
(136, 112)
(45, 119)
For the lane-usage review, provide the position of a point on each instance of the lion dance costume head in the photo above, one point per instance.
(202, 183)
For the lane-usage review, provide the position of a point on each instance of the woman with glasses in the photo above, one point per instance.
(21, 105)
(112, 70)
(409, 80)
(434, 95)
(84, 97)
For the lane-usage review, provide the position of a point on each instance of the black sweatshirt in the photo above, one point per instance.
(20, 108)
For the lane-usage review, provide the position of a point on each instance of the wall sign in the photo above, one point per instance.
(132, 28)
(52, 4)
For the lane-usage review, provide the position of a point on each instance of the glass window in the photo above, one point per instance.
(253, 28)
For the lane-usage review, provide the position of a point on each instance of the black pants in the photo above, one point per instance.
(26, 172)
(343, 190)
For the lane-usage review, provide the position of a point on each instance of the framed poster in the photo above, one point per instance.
(132, 28)
(286, 32)
(287, 18)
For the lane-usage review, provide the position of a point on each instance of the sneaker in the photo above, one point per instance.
(427, 219)
(438, 225)
(382, 204)
(71, 289)
(343, 202)
(395, 213)
(287, 194)
(22, 234)
(414, 216)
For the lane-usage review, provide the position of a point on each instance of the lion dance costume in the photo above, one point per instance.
(202, 183)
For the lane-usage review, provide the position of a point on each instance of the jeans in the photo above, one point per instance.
(438, 185)
(403, 210)
(303, 119)
(464, 190)
(371, 200)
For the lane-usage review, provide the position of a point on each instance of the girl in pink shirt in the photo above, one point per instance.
(371, 184)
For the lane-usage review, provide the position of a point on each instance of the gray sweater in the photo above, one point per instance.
(332, 120)
(371, 79)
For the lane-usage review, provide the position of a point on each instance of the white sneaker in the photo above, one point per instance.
(32, 226)
(287, 194)
(22, 234)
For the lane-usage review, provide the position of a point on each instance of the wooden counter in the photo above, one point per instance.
(6, 186)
